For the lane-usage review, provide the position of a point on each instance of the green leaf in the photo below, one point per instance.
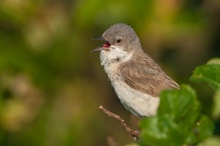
(177, 103)
(179, 120)
(188, 122)
(216, 106)
(214, 61)
(160, 130)
(209, 73)
(213, 141)
(203, 128)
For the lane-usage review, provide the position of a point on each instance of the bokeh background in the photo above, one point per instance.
(51, 85)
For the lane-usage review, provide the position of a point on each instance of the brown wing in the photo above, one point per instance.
(146, 76)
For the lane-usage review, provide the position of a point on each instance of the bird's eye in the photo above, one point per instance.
(118, 41)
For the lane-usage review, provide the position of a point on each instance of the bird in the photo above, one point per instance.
(136, 78)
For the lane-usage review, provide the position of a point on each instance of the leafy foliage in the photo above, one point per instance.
(209, 73)
(180, 120)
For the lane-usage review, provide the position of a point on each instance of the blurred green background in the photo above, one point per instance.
(51, 85)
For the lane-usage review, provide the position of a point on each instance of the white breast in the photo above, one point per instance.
(140, 104)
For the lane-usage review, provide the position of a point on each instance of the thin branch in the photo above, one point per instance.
(134, 133)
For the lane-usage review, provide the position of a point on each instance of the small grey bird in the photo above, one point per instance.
(136, 78)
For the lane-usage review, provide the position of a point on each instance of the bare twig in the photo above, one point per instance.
(134, 133)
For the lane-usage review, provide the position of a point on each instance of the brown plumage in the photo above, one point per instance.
(136, 78)
(151, 80)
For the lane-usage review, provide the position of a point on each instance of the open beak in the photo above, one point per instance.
(98, 38)
(100, 47)
(97, 49)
